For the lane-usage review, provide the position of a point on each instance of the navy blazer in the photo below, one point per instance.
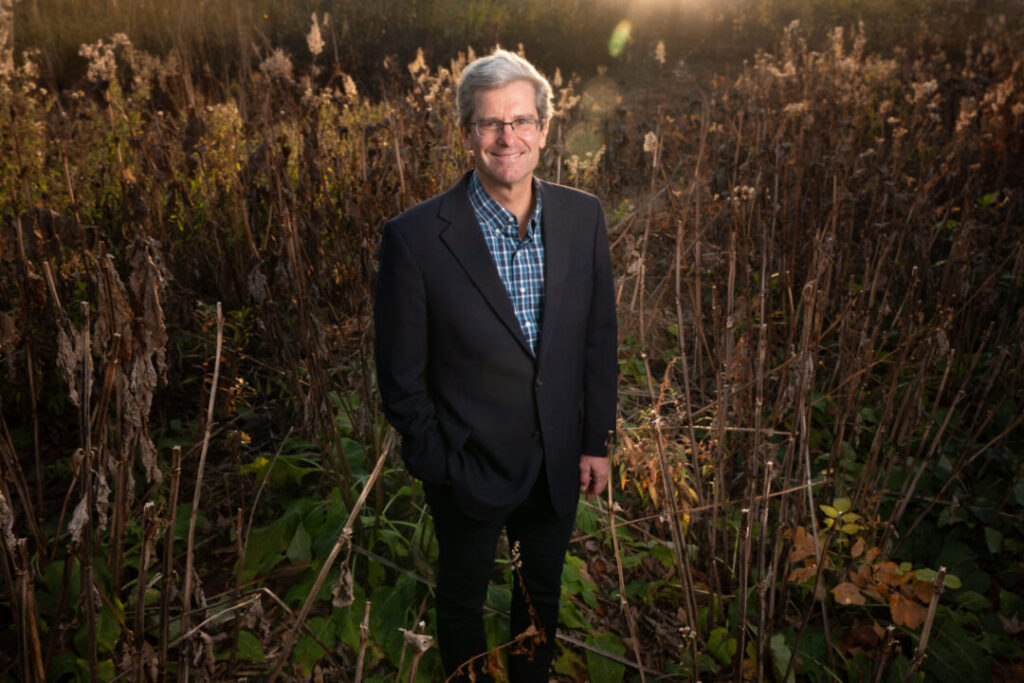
(476, 410)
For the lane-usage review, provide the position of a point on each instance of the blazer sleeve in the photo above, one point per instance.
(401, 348)
(601, 361)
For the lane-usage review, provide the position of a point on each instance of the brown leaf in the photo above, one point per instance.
(861, 577)
(859, 639)
(923, 591)
(803, 545)
(906, 611)
(847, 593)
(858, 548)
(802, 574)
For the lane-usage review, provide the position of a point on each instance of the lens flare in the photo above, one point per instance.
(620, 36)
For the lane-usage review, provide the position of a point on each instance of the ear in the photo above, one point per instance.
(467, 136)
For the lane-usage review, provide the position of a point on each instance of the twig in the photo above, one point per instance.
(189, 559)
(165, 599)
(364, 636)
(623, 602)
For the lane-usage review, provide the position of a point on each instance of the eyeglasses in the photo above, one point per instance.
(524, 128)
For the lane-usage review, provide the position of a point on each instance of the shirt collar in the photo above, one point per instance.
(484, 205)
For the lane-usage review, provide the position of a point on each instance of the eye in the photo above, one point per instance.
(491, 125)
(524, 123)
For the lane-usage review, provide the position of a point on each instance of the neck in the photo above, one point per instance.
(516, 198)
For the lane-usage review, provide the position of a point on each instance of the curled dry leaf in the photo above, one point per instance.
(419, 642)
(7, 524)
(342, 590)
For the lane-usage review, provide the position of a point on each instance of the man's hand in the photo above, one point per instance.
(593, 475)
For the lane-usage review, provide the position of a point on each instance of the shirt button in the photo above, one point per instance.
(538, 382)
(522, 289)
(536, 436)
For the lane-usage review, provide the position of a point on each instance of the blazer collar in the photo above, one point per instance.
(463, 237)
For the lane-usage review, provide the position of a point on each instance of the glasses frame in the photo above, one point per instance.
(534, 125)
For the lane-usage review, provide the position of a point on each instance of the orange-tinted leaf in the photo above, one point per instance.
(858, 548)
(885, 573)
(872, 554)
(847, 593)
(861, 577)
(923, 591)
(906, 611)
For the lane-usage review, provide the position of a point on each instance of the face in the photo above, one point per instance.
(505, 161)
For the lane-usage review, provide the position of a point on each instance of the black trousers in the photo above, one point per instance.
(466, 549)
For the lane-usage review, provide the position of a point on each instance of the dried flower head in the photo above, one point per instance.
(277, 64)
(659, 52)
(314, 41)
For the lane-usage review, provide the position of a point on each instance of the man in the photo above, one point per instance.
(496, 360)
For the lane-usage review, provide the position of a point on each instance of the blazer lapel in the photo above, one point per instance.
(463, 238)
(557, 224)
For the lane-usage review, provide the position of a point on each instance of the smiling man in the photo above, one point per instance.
(496, 360)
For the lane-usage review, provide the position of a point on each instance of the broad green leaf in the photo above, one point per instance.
(298, 550)
(951, 581)
(925, 574)
(600, 668)
(993, 539)
(781, 654)
(829, 510)
(972, 601)
(249, 648)
(307, 651)
(842, 504)
(720, 646)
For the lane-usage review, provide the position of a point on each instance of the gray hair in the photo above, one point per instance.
(496, 71)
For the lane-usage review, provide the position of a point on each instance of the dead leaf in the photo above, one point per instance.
(1012, 626)
(923, 591)
(859, 639)
(906, 611)
(847, 593)
(802, 574)
(858, 548)
(803, 545)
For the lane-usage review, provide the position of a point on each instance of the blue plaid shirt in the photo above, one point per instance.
(520, 263)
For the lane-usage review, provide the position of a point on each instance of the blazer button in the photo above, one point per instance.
(537, 382)
(536, 436)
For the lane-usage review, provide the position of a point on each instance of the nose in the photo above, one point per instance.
(507, 132)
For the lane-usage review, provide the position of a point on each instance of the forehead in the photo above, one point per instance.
(517, 98)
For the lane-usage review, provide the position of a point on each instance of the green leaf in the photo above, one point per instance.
(307, 651)
(993, 539)
(570, 617)
(925, 574)
(829, 510)
(842, 504)
(781, 654)
(249, 648)
(720, 646)
(600, 668)
(988, 199)
(298, 550)
(951, 581)
(972, 601)
(850, 529)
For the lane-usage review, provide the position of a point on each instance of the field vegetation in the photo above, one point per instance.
(816, 224)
